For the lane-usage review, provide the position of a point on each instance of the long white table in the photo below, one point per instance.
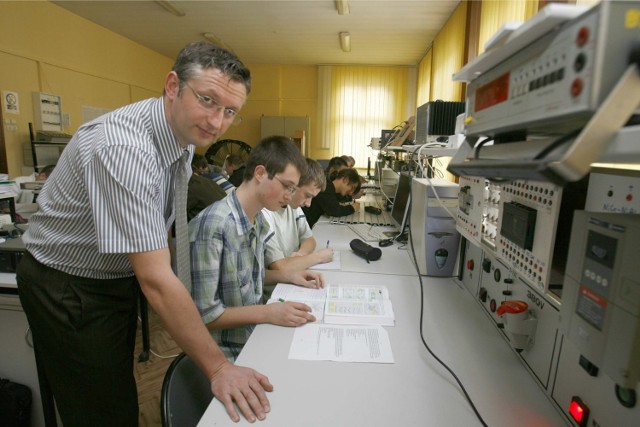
(414, 391)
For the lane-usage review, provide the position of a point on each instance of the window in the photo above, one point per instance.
(358, 102)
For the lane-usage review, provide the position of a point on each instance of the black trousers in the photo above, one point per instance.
(84, 333)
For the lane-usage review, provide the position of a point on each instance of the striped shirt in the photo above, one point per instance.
(226, 186)
(110, 194)
(227, 266)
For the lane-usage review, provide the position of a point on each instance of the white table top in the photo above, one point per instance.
(413, 391)
(394, 259)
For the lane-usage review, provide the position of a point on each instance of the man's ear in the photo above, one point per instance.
(172, 85)
(260, 173)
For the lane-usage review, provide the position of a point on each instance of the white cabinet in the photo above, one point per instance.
(295, 127)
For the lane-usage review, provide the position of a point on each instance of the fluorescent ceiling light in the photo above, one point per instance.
(170, 7)
(342, 6)
(216, 40)
(345, 41)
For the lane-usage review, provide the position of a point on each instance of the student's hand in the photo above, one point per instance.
(307, 278)
(356, 206)
(325, 255)
(244, 386)
(289, 313)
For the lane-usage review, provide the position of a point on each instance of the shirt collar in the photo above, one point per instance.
(241, 220)
(166, 143)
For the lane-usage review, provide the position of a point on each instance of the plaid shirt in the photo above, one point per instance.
(227, 266)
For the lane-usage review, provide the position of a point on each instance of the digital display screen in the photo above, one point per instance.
(519, 224)
(492, 93)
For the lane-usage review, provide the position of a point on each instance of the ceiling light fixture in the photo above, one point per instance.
(170, 7)
(345, 41)
(215, 40)
(342, 6)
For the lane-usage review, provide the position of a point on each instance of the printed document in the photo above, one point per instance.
(314, 298)
(341, 343)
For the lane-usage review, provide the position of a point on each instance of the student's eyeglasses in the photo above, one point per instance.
(210, 104)
(289, 187)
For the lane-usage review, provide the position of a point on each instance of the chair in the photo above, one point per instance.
(186, 393)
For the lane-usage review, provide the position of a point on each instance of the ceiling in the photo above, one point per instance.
(390, 32)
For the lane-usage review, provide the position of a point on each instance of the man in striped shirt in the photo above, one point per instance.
(228, 246)
(104, 216)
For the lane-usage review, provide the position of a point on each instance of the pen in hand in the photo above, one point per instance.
(327, 243)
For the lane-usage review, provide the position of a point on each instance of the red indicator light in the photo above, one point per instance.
(583, 36)
(579, 411)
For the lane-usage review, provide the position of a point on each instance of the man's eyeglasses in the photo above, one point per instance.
(210, 104)
(289, 187)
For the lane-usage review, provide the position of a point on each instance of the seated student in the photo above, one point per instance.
(291, 244)
(220, 179)
(235, 168)
(351, 162)
(44, 173)
(227, 242)
(336, 164)
(327, 202)
(202, 191)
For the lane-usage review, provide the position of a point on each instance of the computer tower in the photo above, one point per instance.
(432, 229)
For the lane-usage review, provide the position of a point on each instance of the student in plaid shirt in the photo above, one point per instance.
(228, 243)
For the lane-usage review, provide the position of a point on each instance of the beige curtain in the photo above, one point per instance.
(357, 102)
(448, 57)
(496, 13)
(424, 79)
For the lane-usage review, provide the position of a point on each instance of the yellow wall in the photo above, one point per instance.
(44, 48)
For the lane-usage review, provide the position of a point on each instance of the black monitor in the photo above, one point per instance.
(402, 202)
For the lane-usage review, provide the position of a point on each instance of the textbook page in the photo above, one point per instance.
(334, 264)
(358, 305)
(341, 343)
(314, 298)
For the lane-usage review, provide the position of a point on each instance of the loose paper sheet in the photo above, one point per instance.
(341, 343)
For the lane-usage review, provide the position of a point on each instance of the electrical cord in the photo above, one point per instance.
(173, 356)
(558, 142)
(479, 145)
(424, 342)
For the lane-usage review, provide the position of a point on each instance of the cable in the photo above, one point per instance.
(557, 143)
(173, 356)
(424, 342)
(479, 145)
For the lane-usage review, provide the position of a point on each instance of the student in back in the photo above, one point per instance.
(335, 165)
(227, 244)
(344, 182)
(290, 244)
(202, 190)
(235, 168)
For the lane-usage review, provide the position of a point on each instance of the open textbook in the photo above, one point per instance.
(346, 304)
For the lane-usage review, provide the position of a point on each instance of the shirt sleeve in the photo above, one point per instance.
(273, 250)
(206, 250)
(123, 189)
(304, 231)
(328, 203)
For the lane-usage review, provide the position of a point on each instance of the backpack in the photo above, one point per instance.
(15, 404)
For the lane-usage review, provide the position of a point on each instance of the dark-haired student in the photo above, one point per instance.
(228, 244)
(343, 183)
